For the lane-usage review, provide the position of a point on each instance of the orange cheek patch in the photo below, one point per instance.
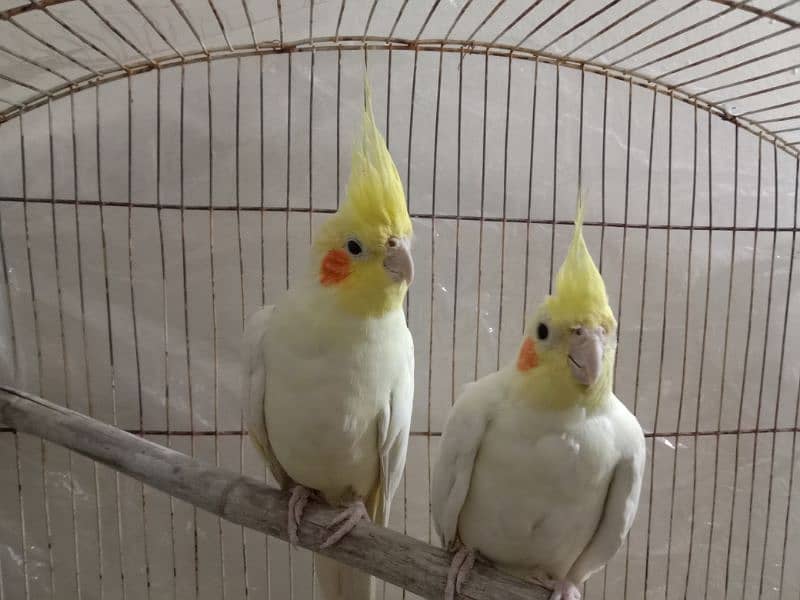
(335, 267)
(527, 358)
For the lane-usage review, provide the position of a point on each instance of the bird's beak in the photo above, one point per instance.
(398, 262)
(585, 357)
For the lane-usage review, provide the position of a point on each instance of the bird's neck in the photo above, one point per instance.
(556, 389)
(319, 310)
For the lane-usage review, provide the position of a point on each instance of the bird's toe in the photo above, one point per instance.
(564, 590)
(297, 504)
(348, 519)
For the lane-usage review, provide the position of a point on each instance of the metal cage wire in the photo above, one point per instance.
(144, 214)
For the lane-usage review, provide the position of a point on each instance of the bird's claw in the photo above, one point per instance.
(563, 590)
(348, 519)
(460, 567)
(297, 504)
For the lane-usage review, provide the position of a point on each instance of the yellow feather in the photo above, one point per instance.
(580, 293)
(375, 194)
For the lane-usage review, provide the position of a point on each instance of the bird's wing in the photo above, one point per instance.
(394, 424)
(461, 441)
(619, 511)
(254, 372)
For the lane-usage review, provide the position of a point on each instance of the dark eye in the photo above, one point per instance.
(542, 331)
(354, 248)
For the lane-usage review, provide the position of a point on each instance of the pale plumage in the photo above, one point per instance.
(540, 465)
(328, 371)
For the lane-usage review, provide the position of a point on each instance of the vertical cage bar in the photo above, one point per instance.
(503, 221)
(580, 129)
(38, 342)
(286, 231)
(624, 248)
(787, 525)
(311, 121)
(702, 364)
(138, 365)
(262, 187)
(112, 354)
(622, 271)
(531, 164)
(458, 227)
(262, 182)
(702, 346)
(17, 380)
(84, 338)
(663, 320)
(408, 200)
(214, 329)
(338, 126)
(24, 533)
(580, 181)
(763, 366)
(555, 179)
(685, 328)
(780, 376)
(432, 281)
(726, 337)
(2, 585)
(603, 138)
(237, 196)
(482, 213)
(63, 344)
(744, 374)
(189, 392)
(165, 309)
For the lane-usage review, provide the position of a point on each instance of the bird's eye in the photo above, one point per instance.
(542, 331)
(354, 247)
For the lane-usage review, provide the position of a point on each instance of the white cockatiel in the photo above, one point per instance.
(329, 370)
(541, 465)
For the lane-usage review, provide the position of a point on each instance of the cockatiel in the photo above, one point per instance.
(540, 465)
(329, 370)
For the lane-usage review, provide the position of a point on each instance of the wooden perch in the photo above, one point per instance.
(388, 555)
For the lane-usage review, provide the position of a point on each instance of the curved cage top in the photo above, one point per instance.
(739, 59)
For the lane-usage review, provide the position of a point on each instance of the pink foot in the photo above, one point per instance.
(563, 590)
(460, 567)
(297, 504)
(349, 518)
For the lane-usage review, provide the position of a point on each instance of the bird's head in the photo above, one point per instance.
(363, 253)
(570, 343)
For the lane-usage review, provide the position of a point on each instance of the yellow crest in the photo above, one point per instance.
(375, 195)
(580, 293)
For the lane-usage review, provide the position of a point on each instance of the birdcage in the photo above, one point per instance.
(163, 164)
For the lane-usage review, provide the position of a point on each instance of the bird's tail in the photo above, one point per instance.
(340, 582)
